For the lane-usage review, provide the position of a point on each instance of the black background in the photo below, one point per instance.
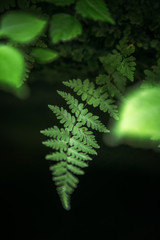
(117, 198)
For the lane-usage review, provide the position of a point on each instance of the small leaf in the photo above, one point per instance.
(64, 27)
(12, 68)
(21, 27)
(43, 55)
(94, 9)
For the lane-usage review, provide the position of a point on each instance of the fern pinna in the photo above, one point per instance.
(75, 142)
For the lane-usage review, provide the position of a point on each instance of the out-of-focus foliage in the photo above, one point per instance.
(12, 68)
(21, 27)
(94, 9)
(44, 55)
(64, 27)
(115, 44)
(140, 115)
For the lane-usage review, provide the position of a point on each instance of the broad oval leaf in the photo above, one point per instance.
(21, 27)
(64, 27)
(140, 115)
(61, 2)
(94, 9)
(44, 55)
(12, 68)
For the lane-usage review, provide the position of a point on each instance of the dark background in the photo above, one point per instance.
(117, 198)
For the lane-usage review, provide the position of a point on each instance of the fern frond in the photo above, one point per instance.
(120, 60)
(127, 67)
(75, 142)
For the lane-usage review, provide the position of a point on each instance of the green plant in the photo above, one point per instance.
(23, 29)
(75, 142)
(85, 42)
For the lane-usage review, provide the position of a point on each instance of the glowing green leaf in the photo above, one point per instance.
(43, 55)
(140, 115)
(21, 27)
(12, 68)
(64, 27)
(94, 9)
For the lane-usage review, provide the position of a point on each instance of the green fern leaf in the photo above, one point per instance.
(111, 108)
(94, 9)
(127, 67)
(56, 156)
(96, 97)
(77, 154)
(80, 146)
(76, 162)
(75, 169)
(111, 62)
(75, 142)
(64, 116)
(83, 115)
(84, 135)
(108, 86)
(56, 133)
(55, 144)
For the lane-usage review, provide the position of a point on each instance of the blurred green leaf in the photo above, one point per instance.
(12, 68)
(43, 55)
(140, 115)
(64, 27)
(21, 27)
(94, 9)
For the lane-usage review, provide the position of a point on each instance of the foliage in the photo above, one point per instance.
(110, 45)
(74, 142)
(64, 27)
(11, 59)
(21, 27)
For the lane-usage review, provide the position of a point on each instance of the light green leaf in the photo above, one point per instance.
(94, 9)
(61, 2)
(140, 115)
(43, 55)
(21, 27)
(64, 27)
(12, 68)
